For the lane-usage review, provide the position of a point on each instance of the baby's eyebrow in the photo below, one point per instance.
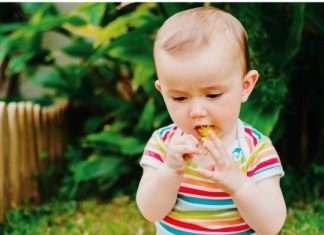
(172, 91)
(213, 87)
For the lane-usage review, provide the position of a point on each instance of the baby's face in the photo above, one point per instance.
(201, 90)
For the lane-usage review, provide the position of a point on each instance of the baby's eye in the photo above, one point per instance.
(179, 99)
(213, 96)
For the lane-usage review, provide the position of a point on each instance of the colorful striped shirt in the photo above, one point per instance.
(202, 206)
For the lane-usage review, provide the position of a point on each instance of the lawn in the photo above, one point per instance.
(121, 217)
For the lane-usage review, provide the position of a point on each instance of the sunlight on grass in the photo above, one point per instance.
(121, 217)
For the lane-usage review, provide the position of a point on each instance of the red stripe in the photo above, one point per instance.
(262, 165)
(202, 192)
(153, 154)
(167, 133)
(203, 229)
(250, 132)
(164, 137)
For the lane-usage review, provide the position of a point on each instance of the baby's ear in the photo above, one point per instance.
(157, 85)
(248, 83)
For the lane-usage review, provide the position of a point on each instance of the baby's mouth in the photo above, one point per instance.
(204, 130)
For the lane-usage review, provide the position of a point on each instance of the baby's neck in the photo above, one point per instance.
(230, 137)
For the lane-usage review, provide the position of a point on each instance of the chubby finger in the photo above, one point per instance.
(184, 141)
(206, 173)
(213, 150)
(180, 150)
(217, 143)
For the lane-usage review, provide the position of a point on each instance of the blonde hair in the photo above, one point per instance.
(196, 28)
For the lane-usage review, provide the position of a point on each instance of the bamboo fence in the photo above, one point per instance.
(31, 137)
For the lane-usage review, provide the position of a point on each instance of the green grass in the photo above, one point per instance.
(306, 219)
(121, 217)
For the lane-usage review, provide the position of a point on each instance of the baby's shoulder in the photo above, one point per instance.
(164, 133)
(253, 135)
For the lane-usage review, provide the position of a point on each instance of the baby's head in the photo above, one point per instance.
(202, 64)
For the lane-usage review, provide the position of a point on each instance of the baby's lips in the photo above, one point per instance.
(205, 130)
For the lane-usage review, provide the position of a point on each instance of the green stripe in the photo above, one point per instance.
(223, 214)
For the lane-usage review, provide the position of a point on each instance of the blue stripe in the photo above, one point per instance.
(257, 133)
(164, 129)
(206, 201)
(270, 168)
(181, 232)
(237, 150)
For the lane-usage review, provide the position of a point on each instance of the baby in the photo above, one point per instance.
(208, 172)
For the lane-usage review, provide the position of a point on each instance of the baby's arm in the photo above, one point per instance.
(157, 192)
(262, 205)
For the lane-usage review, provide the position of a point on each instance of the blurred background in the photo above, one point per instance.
(86, 72)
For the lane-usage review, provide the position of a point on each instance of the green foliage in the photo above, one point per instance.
(106, 70)
(303, 188)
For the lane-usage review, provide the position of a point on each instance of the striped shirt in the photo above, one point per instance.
(202, 206)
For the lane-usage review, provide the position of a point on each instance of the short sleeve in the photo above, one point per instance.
(264, 161)
(154, 151)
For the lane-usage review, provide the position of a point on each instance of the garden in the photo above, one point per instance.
(93, 63)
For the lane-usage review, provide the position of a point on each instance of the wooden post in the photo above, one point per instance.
(14, 152)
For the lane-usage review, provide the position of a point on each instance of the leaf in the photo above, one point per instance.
(95, 167)
(79, 48)
(171, 8)
(50, 79)
(295, 33)
(114, 141)
(315, 18)
(17, 63)
(262, 117)
(142, 74)
(9, 27)
(88, 30)
(93, 123)
(146, 119)
(120, 25)
(92, 13)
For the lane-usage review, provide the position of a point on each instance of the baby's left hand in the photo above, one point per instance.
(225, 170)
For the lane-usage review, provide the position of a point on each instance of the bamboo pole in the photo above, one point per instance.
(3, 160)
(37, 117)
(24, 167)
(33, 192)
(63, 125)
(52, 134)
(31, 137)
(45, 133)
(14, 152)
(26, 131)
(56, 132)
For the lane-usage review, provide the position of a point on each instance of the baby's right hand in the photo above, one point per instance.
(180, 146)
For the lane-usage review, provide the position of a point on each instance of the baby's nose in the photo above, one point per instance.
(197, 110)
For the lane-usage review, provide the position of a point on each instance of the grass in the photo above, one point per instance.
(121, 217)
